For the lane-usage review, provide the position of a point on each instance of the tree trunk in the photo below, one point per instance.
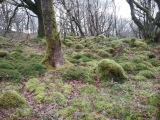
(41, 32)
(35, 7)
(53, 55)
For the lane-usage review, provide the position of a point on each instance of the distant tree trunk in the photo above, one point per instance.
(1, 1)
(53, 55)
(41, 32)
(35, 7)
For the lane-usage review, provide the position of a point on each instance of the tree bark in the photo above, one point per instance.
(35, 7)
(41, 32)
(53, 55)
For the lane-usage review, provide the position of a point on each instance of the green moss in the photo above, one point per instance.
(10, 75)
(125, 50)
(91, 116)
(77, 73)
(25, 111)
(103, 54)
(141, 45)
(32, 84)
(40, 89)
(154, 62)
(128, 66)
(85, 57)
(139, 78)
(102, 36)
(99, 105)
(109, 49)
(147, 73)
(87, 89)
(66, 88)
(79, 46)
(6, 65)
(66, 111)
(132, 41)
(142, 57)
(59, 98)
(110, 70)
(39, 97)
(141, 66)
(11, 99)
(69, 44)
(3, 53)
(31, 69)
(81, 104)
(51, 86)
(16, 54)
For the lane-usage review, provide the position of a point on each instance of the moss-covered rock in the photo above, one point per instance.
(110, 70)
(3, 53)
(11, 99)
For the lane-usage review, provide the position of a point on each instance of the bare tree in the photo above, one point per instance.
(142, 13)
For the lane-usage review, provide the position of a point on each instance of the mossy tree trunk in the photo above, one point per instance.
(53, 55)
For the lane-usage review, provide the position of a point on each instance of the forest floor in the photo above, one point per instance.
(75, 90)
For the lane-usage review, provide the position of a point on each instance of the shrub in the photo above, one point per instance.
(110, 70)
(11, 99)
(147, 73)
(77, 73)
(3, 53)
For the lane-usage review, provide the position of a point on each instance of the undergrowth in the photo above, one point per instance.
(103, 78)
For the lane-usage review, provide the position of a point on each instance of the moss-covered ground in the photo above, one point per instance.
(84, 88)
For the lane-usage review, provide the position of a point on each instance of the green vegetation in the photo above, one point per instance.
(110, 70)
(77, 73)
(11, 99)
(3, 53)
(104, 78)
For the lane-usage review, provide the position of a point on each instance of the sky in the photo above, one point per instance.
(123, 8)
